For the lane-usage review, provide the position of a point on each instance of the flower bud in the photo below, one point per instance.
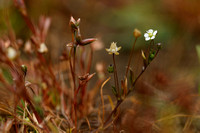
(24, 69)
(87, 41)
(110, 68)
(136, 33)
(151, 55)
(78, 22)
(143, 55)
(72, 23)
(159, 45)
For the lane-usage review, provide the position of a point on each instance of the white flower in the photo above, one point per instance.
(11, 53)
(97, 45)
(150, 34)
(43, 48)
(113, 49)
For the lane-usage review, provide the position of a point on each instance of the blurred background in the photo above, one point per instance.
(177, 22)
(175, 71)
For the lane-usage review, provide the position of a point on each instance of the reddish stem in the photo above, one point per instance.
(115, 76)
(130, 57)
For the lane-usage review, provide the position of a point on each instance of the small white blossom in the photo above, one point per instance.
(113, 49)
(150, 34)
(11, 53)
(43, 48)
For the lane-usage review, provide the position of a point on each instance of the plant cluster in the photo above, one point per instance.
(43, 98)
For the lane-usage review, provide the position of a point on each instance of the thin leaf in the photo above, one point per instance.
(102, 100)
(111, 102)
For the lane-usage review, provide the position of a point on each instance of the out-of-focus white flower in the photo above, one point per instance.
(27, 47)
(43, 48)
(113, 49)
(100, 67)
(11, 53)
(150, 34)
(97, 45)
(7, 43)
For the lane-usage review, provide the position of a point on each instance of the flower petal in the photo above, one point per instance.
(108, 50)
(146, 35)
(150, 31)
(113, 45)
(119, 48)
(152, 37)
(43, 48)
(147, 38)
(155, 32)
(116, 53)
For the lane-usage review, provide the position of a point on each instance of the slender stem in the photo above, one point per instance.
(119, 102)
(143, 70)
(90, 61)
(149, 48)
(72, 73)
(115, 76)
(130, 57)
(74, 67)
(75, 95)
(114, 111)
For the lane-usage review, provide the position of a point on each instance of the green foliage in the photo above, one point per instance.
(114, 90)
(131, 77)
(198, 51)
(39, 110)
(140, 15)
(20, 110)
(7, 75)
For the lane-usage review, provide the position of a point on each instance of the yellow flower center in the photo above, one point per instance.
(150, 34)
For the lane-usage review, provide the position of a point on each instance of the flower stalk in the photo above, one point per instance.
(116, 77)
(114, 51)
(130, 57)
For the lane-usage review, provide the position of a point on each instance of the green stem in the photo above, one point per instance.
(149, 48)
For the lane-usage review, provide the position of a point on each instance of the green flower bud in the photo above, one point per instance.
(110, 68)
(151, 56)
(24, 69)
